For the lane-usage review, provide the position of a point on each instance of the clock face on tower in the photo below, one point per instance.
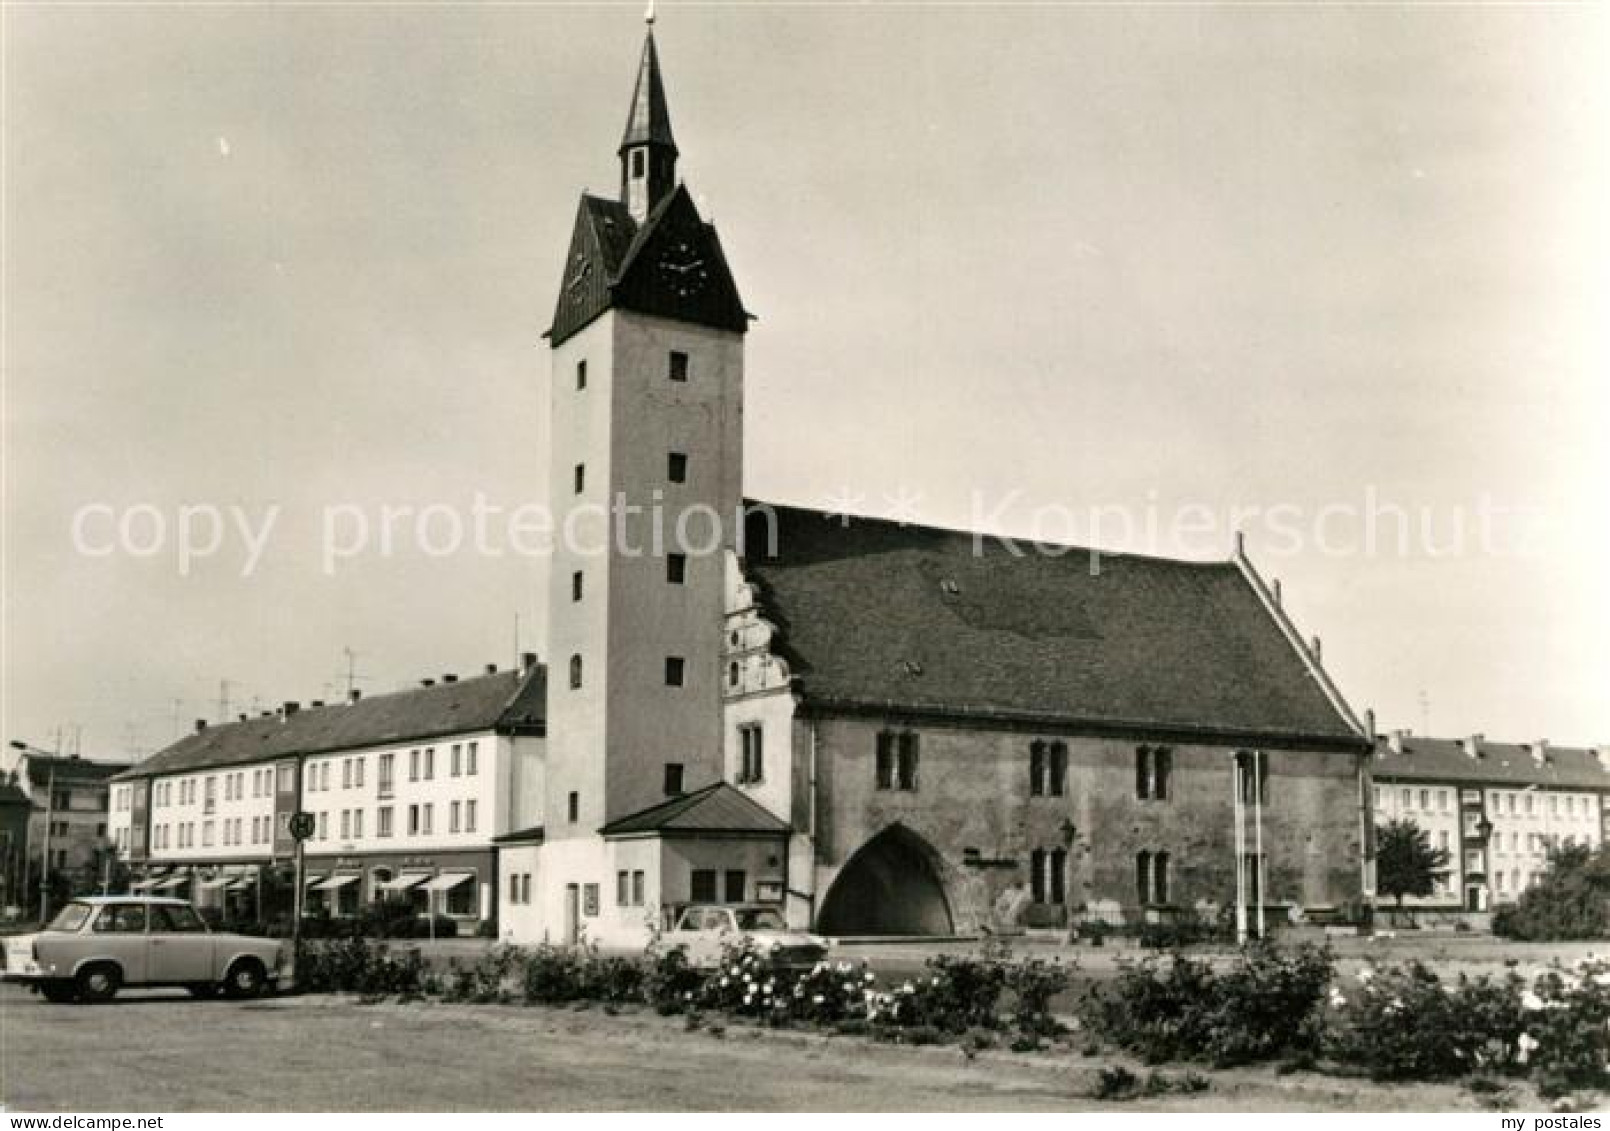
(682, 269)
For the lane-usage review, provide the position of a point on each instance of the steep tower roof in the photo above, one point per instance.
(649, 120)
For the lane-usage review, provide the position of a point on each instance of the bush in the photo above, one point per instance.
(1380, 1024)
(1262, 1008)
(354, 965)
(487, 979)
(1570, 900)
(554, 975)
(1034, 983)
(670, 983)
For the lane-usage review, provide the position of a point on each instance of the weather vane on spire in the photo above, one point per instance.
(648, 15)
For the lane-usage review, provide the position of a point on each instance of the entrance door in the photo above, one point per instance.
(572, 913)
(1472, 899)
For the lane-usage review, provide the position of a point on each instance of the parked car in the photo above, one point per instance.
(99, 944)
(704, 929)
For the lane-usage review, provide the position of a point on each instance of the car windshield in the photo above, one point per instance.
(759, 919)
(70, 918)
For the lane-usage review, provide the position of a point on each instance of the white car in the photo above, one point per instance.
(705, 929)
(99, 944)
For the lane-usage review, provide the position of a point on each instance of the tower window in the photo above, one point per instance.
(638, 162)
(575, 586)
(676, 467)
(679, 366)
(1153, 766)
(673, 779)
(573, 807)
(897, 760)
(675, 671)
(752, 767)
(575, 672)
(676, 568)
(581, 478)
(581, 375)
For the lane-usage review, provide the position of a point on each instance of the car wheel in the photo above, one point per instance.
(245, 978)
(58, 991)
(99, 983)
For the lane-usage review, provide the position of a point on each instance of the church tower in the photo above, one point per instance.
(646, 404)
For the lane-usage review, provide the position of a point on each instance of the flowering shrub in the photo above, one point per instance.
(1262, 1008)
(1566, 1040)
(1034, 984)
(1383, 1022)
(556, 974)
(669, 981)
(484, 980)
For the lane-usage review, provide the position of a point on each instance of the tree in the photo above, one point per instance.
(1570, 900)
(1405, 861)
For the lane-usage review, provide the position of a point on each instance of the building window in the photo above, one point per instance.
(676, 568)
(752, 754)
(581, 374)
(623, 889)
(413, 765)
(1252, 772)
(452, 817)
(575, 672)
(637, 889)
(357, 773)
(514, 888)
(897, 760)
(1151, 878)
(673, 779)
(346, 824)
(1425, 800)
(1048, 769)
(430, 762)
(455, 760)
(413, 820)
(702, 886)
(346, 773)
(574, 807)
(525, 887)
(676, 467)
(383, 821)
(357, 824)
(675, 671)
(575, 586)
(469, 760)
(324, 824)
(679, 366)
(735, 887)
(580, 478)
(1153, 767)
(383, 786)
(424, 818)
(469, 815)
(637, 162)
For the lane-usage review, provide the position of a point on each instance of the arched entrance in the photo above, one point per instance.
(891, 886)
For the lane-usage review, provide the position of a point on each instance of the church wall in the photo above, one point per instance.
(973, 794)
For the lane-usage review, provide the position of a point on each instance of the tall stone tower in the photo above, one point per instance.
(646, 402)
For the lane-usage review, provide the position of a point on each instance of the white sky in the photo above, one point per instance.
(1095, 256)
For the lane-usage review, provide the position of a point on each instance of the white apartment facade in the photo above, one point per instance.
(1495, 807)
(406, 791)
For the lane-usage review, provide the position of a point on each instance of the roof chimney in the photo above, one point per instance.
(201, 725)
(1394, 741)
(354, 695)
(491, 669)
(244, 716)
(316, 703)
(427, 682)
(528, 660)
(1602, 755)
(291, 707)
(1472, 745)
(449, 677)
(1539, 751)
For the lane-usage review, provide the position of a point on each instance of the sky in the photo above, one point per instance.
(1011, 265)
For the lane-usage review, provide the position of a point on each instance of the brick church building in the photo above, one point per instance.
(882, 728)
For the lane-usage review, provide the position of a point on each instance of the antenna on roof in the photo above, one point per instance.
(648, 16)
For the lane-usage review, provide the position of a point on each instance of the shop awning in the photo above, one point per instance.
(170, 883)
(313, 878)
(448, 880)
(146, 884)
(403, 882)
(339, 880)
(213, 884)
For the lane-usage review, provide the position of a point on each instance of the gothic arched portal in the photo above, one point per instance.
(891, 886)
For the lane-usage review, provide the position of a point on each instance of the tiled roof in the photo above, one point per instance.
(508, 701)
(1499, 763)
(69, 769)
(718, 808)
(877, 614)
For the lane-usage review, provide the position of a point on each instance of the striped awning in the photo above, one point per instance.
(449, 880)
(403, 882)
(339, 880)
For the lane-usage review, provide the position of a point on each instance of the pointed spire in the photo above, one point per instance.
(649, 122)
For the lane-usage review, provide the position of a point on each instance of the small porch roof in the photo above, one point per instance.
(721, 809)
